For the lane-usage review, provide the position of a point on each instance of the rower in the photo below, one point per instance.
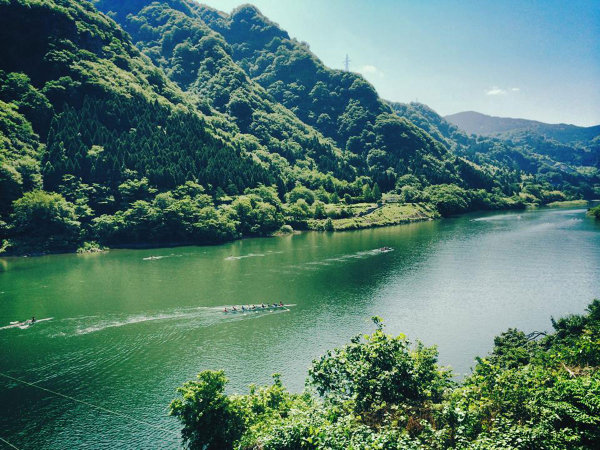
(263, 305)
(32, 319)
(234, 308)
(243, 309)
(280, 303)
(225, 309)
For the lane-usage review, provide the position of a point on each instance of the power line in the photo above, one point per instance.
(9, 444)
(101, 408)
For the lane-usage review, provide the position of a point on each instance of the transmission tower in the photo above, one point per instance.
(347, 63)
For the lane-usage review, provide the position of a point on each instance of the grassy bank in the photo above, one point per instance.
(370, 215)
(568, 204)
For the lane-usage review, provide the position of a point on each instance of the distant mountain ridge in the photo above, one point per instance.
(473, 122)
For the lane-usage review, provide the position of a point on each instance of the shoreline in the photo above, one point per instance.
(420, 213)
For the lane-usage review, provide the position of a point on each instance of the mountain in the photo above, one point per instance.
(182, 124)
(99, 107)
(476, 123)
(570, 167)
(198, 60)
(438, 127)
(339, 105)
(85, 114)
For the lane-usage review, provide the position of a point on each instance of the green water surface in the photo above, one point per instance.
(126, 330)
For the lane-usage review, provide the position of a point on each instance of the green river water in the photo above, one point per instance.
(126, 330)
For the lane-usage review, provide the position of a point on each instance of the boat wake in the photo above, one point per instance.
(249, 255)
(131, 320)
(156, 258)
(202, 316)
(253, 255)
(344, 258)
(192, 317)
(498, 217)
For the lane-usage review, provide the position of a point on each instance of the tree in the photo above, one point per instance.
(134, 189)
(45, 221)
(376, 192)
(209, 418)
(329, 225)
(367, 193)
(378, 391)
(448, 198)
(379, 371)
(300, 192)
(319, 210)
(298, 212)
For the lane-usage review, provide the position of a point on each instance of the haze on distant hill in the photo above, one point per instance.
(476, 123)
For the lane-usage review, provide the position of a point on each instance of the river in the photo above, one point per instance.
(128, 326)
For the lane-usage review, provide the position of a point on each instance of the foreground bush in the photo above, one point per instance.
(532, 392)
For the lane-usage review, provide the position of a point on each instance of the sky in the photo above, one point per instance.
(511, 58)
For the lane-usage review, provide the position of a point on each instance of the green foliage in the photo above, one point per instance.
(595, 212)
(255, 216)
(379, 392)
(90, 247)
(44, 221)
(211, 419)
(300, 192)
(448, 198)
(374, 376)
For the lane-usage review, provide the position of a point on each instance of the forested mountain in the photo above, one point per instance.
(340, 105)
(199, 61)
(476, 123)
(573, 167)
(100, 109)
(185, 124)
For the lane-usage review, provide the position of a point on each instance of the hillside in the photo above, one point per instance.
(80, 101)
(341, 105)
(199, 61)
(476, 123)
(572, 168)
(182, 124)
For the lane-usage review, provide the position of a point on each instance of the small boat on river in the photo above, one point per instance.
(23, 325)
(254, 308)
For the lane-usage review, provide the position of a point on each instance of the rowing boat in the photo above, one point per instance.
(24, 324)
(257, 309)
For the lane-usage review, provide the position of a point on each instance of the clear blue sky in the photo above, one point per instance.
(514, 58)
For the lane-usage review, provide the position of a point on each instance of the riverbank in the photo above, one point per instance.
(568, 204)
(349, 217)
(372, 215)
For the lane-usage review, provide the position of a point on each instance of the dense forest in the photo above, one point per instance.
(548, 158)
(533, 391)
(168, 122)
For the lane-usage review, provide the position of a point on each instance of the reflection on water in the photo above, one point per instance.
(128, 327)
